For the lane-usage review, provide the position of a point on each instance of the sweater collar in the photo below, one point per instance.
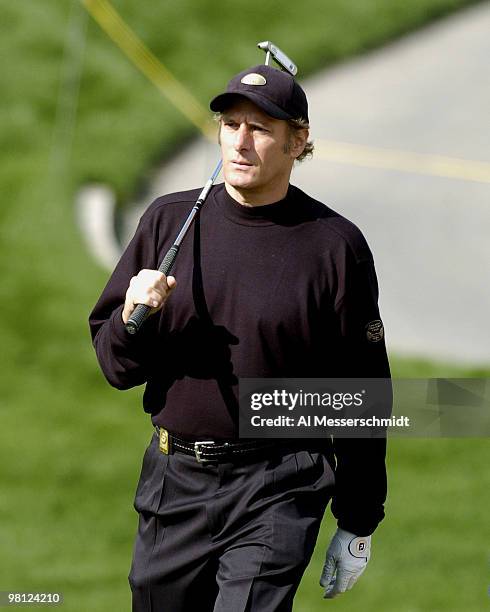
(267, 214)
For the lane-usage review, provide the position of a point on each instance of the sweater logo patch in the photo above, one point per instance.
(375, 331)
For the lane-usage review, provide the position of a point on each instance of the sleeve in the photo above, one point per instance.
(360, 474)
(124, 358)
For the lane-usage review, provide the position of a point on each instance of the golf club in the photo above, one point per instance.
(141, 312)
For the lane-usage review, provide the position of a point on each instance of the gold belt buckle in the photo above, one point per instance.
(164, 441)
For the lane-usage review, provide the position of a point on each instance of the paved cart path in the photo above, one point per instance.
(427, 219)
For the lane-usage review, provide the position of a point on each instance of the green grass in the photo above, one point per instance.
(70, 446)
(431, 554)
(419, 367)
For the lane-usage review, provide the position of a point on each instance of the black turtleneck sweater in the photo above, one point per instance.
(281, 290)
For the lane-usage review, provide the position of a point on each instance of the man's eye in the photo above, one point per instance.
(230, 124)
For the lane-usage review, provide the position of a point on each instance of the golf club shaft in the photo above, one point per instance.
(141, 312)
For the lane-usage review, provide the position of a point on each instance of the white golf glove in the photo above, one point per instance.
(346, 559)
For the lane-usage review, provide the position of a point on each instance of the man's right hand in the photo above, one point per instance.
(149, 287)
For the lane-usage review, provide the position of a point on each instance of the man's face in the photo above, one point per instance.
(254, 148)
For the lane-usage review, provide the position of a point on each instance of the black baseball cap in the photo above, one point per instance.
(273, 90)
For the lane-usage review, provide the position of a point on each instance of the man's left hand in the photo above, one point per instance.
(347, 557)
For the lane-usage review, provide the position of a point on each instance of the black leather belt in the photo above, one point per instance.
(210, 450)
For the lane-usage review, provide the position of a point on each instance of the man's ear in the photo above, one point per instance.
(297, 142)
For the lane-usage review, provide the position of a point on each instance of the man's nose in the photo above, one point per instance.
(242, 137)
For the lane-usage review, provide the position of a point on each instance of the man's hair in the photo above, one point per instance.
(293, 125)
(296, 125)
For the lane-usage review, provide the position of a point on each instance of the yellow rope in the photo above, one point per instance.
(372, 157)
(392, 159)
(115, 27)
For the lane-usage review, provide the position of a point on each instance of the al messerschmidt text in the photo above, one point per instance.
(324, 421)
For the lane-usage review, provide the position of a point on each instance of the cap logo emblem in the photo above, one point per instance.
(253, 79)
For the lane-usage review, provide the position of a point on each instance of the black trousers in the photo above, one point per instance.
(228, 537)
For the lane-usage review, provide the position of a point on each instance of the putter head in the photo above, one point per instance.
(281, 58)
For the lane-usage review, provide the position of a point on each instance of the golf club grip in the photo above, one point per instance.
(137, 318)
(141, 312)
(169, 259)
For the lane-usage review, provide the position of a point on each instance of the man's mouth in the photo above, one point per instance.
(241, 164)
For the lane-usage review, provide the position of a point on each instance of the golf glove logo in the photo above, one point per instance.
(346, 559)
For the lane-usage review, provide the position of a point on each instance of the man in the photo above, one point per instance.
(270, 283)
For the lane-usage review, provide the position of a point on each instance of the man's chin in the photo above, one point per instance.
(240, 182)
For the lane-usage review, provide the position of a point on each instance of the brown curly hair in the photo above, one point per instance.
(301, 124)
